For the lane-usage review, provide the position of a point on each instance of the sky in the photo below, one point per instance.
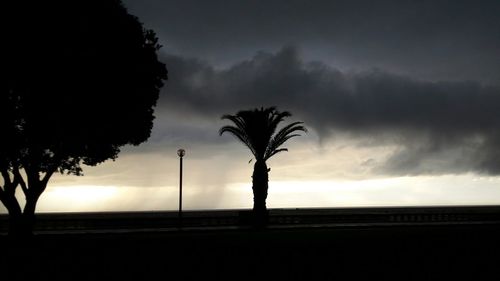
(401, 99)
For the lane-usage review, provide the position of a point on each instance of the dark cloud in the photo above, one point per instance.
(439, 127)
(428, 39)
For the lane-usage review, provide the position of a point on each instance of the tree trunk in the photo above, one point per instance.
(22, 224)
(260, 181)
(15, 215)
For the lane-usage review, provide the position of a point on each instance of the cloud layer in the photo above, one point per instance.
(428, 39)
(437, 127)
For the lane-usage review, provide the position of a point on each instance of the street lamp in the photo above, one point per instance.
(181, 152)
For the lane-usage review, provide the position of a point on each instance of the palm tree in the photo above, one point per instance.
(257, 130)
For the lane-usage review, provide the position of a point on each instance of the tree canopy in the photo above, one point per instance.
(80, 80)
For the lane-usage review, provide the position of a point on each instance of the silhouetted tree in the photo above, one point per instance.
(257, 130)
(80, 79)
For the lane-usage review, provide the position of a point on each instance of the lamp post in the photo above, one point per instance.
(181, 152)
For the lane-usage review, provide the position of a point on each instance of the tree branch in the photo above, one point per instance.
(2, 196)
(10, 185)
(46, 177)
(6, 177)
(32, 177)
(19, 178)
(7, 194)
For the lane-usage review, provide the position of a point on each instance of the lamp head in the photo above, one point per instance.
(181, 152)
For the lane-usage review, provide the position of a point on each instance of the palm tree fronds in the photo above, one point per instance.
(276, 118)
(256, 129)
(239, 134)
(276, 152)
(282, 136)
(240, 123)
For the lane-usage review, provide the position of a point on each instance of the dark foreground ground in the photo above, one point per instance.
(452, 252)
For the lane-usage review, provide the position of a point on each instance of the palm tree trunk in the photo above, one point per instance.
(260, 179)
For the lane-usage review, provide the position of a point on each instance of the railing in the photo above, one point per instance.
(277, 217)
